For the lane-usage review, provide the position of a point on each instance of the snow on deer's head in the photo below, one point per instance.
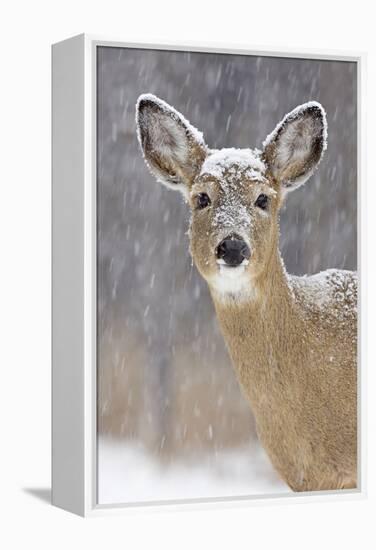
(234, 194)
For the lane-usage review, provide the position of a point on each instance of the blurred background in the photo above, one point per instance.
(172, 422)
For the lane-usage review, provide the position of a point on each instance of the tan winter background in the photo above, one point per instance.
(172, 421)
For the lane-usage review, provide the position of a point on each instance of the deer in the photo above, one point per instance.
(292, 340)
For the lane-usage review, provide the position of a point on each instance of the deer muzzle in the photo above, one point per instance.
(232, 251)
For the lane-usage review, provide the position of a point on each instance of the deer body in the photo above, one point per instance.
(292, 340)
(301, 380)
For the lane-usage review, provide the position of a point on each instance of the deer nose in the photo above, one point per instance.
(233, 250)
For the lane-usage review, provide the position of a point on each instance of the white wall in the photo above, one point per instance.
(28, 28)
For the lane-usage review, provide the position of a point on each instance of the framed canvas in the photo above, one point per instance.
(207, 237)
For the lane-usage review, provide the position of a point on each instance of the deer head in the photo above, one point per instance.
(234, 194)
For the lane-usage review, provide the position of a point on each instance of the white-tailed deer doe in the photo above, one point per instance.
(292, 339)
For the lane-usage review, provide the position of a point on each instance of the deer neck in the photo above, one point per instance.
(261, 331)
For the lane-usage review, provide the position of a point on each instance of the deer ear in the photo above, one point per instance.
(294, 149)
(173, 149)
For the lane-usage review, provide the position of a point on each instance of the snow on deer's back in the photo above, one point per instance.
(292, 340)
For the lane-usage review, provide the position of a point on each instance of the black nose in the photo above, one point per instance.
(233, 250)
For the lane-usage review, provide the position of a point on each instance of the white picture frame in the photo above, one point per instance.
(74, 390)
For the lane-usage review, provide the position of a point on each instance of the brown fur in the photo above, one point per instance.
(292, 340)
(297, 367)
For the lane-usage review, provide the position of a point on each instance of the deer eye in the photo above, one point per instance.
(262, 201)
(202, 201)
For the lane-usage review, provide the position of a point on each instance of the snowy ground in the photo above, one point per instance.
(127, 474)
